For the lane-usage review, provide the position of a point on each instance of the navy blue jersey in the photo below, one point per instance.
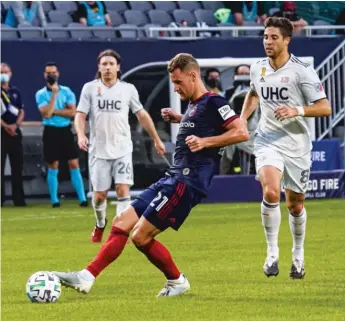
(207, 116)
(11, 102)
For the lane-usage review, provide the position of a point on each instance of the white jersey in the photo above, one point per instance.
(294, 84)
(108, 109)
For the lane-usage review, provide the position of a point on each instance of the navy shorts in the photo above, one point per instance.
(167, 203)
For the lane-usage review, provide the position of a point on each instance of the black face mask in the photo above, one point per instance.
(213, 83)
(52, 79)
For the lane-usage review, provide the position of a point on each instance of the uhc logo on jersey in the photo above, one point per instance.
(274, 93)
(109, 105)
(226, 112)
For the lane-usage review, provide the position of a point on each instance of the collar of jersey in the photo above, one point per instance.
(291, 55)
(117, 80)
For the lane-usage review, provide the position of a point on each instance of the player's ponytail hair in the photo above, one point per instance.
(108, 53)
(283, 24)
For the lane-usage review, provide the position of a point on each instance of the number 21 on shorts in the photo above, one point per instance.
(156, 199)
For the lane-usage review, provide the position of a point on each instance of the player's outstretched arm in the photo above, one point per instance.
(146, 121)
(79, 124)
(171, 116)
(236, 133)
(250, 103)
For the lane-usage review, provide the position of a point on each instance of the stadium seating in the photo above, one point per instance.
(203, 15)
(167, 6)
(189, 5)
(136, 17)
(60, 17)
(80, 34)
(143, 6)
(160, 17)
(103, 33)
(55, 30)
(67, 6)
(182, 14)
(27, 31)
(141, 15)
(8, 33)
(119, 6)
(116, 18)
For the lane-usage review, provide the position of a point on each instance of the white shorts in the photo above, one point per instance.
(295, 170)
(102, 171)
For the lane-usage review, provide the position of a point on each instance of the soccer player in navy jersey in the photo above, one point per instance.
(208, 124)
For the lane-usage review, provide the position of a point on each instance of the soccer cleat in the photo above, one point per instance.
(175, 287)
(271, 266)
(84, 204)
(75, 281)
(297, 269)
(97, 233)
(56, 205)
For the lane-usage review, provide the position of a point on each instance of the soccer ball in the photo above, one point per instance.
(43, 287)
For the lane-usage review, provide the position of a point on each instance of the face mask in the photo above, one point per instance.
(51, 79)
(213, 83)
(4, 77)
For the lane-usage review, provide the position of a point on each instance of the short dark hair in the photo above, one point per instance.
(209, 70)
(108, 53)
(183, 61)
(285, 26)
(51, 64)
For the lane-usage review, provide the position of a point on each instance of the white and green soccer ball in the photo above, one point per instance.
(43, 287)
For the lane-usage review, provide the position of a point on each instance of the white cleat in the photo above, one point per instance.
(74, 280)
(175, 287)
(271, 266)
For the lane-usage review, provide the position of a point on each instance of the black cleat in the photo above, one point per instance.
(297, 269)
(55, 205)
(84, 204)
(271, 266)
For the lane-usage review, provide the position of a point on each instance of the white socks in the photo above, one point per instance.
(122, 204)
(297, 228)
(100, 212)
(87, 275)
(271, 218)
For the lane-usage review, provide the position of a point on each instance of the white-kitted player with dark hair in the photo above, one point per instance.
(288, 91)
(108, 100)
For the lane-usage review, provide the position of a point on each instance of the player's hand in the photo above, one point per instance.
(285, 112)
(195, 143)
(55, 88)
(160, 147)
(11, 129)
(169, 115)
(83, 143)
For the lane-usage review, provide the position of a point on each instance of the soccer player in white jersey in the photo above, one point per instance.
(108, 100)
(288, 91)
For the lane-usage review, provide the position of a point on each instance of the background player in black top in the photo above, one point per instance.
(208, 124)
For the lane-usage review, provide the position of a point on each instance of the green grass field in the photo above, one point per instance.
(221, 249)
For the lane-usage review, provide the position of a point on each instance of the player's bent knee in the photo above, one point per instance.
(295, 208)
(99, 197)
(73, 163)
(140, 239)
(271, 195)
(122, 190)
(54, 165)
(126, 220)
